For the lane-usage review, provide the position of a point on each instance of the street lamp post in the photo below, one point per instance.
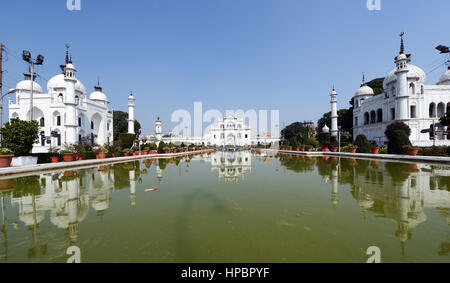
(339, 138)
(26, 56)
(1, 110)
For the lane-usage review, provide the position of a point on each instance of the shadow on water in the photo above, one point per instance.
(184, 248)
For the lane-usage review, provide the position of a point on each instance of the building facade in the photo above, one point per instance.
(66, 114)
(406, 98)
(230, 131)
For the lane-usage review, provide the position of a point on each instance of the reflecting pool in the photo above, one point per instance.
(229, 207)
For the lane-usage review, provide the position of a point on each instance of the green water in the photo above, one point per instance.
(230, 207)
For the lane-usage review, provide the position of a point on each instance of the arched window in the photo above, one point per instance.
(366, 118)
(432, 110)
(373, 117)
(77, 100)
(42, 122)
(356, 121)
(379, 115)
(60, 98)
(92, 125)
(413, 111)
(393, 91)
(440, 110)
(412, 88)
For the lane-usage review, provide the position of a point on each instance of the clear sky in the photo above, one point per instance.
(229, 54)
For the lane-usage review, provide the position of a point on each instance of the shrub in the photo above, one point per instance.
(362, 144)
(153, 146)
(19, 136)
(397, 126)
(66, 151)
(398, 142)
(161, 147)
(5, 151)
(126, 140)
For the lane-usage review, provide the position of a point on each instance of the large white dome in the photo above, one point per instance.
(414, 73)
(26, 86)
(59, 82)
(445, 78)
(364, 90)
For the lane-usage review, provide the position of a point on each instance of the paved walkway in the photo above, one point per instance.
(396, 157)
(87, 163)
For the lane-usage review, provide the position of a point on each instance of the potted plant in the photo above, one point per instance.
(352, 148)
(6, 157)
(102, 153)
(375, 149)
(68, 155)
(54, 155)
(412, 150)
(308, 148)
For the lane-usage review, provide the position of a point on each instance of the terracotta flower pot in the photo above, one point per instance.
(352, 150)
(375, 150)
(126, 154)
(309, 149)
(68, 157)
(413, 151)
(101, 155)
(334, 149)
(5, 160)
(302, 149)
(54, 159)
(167, 151)
(297, 149)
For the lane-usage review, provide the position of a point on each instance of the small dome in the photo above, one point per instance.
(414, 73)
(98, 95)
(402, 57)
(25, 85)
(70, 66)
(59, 82)
(325, 129)
(445, 78)
(364, 90)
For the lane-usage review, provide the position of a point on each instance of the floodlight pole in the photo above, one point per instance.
(31, 91)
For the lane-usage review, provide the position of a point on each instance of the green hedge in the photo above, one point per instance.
(126, 140)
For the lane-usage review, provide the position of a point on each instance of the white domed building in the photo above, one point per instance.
(66, 113)
(407, 99)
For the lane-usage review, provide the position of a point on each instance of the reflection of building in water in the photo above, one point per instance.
(67, 196)
(232, 166)
(400, 192)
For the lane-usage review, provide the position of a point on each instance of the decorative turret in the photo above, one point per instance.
(131, 114)
(401, 62)
(334, 113)
(70, 101)
(158, 129)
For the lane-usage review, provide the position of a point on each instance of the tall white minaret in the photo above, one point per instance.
(131, 114)
(71, 115)
(158, 129)
(401, 97)
(334, 113)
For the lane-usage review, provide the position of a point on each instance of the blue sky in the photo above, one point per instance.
(229, 54)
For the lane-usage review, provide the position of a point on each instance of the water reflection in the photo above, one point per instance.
(397, 191)
(401, 192)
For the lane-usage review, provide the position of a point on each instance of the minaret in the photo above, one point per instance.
(131, 114)
(158, 129)
(402, 83)
(70, 103)
(334, 113)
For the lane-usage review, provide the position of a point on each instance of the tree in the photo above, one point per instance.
(19, 136)
(345, 120)
(296, 133)
(161, 147)
(398, 135)
(363, 144)
(445, 121)
(376, 85)
(126, 140)
(120, 122)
